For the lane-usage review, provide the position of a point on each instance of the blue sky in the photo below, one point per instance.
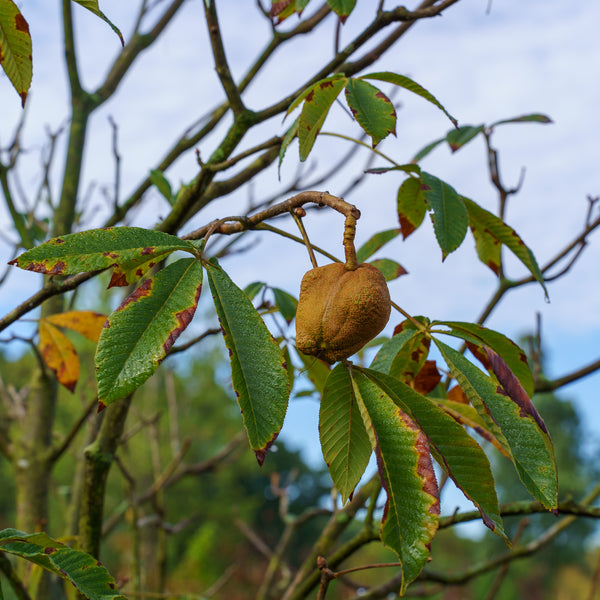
(522, 57)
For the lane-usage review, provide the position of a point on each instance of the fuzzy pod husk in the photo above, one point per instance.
(340, 310)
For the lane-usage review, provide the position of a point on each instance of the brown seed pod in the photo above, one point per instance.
(340, 310)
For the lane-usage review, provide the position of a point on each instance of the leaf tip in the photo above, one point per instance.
(101, 406)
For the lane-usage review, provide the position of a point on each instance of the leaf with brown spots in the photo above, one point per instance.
(411, 358)
(59, 354)
(129, 248)
(372, 109)
(427, 378)
(490, 232)
(86, 322)
(138, 335)
(282, 9)
(317, 103)
(79, 568)
(412, 206)
(410, 517)
(15, 48)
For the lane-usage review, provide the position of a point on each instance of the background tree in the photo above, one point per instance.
(57, 444)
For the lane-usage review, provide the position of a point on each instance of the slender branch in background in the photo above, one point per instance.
(221, 66)
(75, 428)
(117, 157)
(297, 215)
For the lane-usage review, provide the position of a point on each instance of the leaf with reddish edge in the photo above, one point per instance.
(412, 206)
(513, 388)
(59, 354)
(372, 109)
(342, 8)
(456, 451)
(467, 415)
(389, 268)
(457, 138)
(127, 247)
(282, 9)
(317, 103)
(85, 322)
(344, 440)
(488, 224)
(477, 336)
(529, 446)
(138, 335)
(258, 369)
(15, 48)
(410, 517)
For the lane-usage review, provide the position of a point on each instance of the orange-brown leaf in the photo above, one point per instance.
(59, 354)
(427, 378)
(86, 322)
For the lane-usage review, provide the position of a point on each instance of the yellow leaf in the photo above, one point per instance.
(86, 322)
(15, 47)
(59, 354)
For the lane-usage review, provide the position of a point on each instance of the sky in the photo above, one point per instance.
(517, 58)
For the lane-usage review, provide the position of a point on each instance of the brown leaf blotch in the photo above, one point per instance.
(143, 290)
(110, 255)
(59, 241)
(262, 453)
(49, 550)
(183, 320)
(326, 84)
(21, 23)
(118, 279)
(310, 96)
(148, 250)
(101, 406)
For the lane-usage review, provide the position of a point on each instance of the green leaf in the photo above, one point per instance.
(82, 570)
(372, 109)
(15, 48)
(344, 440)
(421, 154)
(127, 247)
(252, 289)
(317, 103)
(92, 6)
(411, 206)
(374, 243)
(531, 118)
(390, 268)
(342, 8)
(162, 185)
(530, 447)
(460, 455)
(290, 135)
(410, 85)
(410, 516)
(457, 138)
(504, 346)
(258, 369)
(138, 335)
(286, 304)
(482, 220)
(450, 218)
(409, 169)
(388, 351)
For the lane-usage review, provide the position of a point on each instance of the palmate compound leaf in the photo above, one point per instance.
(15, 48)
(129, 248)
(412, 509)
(529, 446)
(344, 440)
(456, 451)
(82, 570)
(258, 369)
(489, 232)
(449, 216)
(138, 335)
